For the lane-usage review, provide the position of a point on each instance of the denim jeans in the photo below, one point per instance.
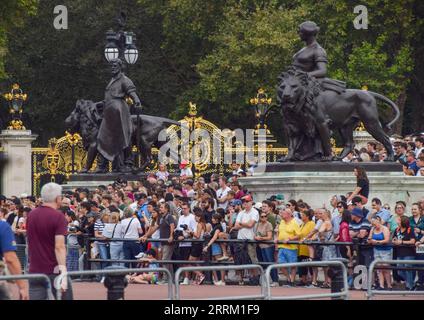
(104, 254)
(409, 276)
(420, 273)
(117, 253)
(267, 255)
(38, 289)
(131, 249)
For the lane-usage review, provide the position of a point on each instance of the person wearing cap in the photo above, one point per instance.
(185, 171)
(233, 209)
(359, 229)
(246, 223)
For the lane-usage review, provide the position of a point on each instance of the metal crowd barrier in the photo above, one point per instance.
(223, 268)
(31, 277)
(371, 292)
(344, 294)
(59, 278)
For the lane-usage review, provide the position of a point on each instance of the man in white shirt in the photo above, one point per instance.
(420, 164)
(222, 193)
(419, 144)
(246, 223)
(187, 224)
(132, 230)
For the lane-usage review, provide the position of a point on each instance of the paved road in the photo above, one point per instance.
(88, 291)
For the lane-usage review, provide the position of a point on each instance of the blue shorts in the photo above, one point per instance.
(287, 255)
(216, 250)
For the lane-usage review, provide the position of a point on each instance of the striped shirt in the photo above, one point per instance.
(99, 226)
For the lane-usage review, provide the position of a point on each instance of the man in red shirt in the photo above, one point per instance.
(46, 231)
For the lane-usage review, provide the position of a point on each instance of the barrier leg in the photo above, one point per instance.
(115, 284)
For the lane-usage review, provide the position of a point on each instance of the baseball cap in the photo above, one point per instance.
(258, 205)
(91, 215)
(16, 201)
(235, 202)
(139, 196)
(357, 213)
(247, 198)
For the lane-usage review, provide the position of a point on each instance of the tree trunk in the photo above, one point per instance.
(400, 101)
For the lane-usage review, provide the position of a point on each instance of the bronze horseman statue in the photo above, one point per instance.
(312, 105)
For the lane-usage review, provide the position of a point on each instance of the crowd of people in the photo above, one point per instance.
(164, 218)
(408, 151)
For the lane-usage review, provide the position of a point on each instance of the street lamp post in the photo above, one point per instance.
(16, 99)
(121, 44)
(262, 106)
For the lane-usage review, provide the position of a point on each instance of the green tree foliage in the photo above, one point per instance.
(215, 53)
(12, 14)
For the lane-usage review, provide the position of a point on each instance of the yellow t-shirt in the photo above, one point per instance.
(286, 231)
(305, 229)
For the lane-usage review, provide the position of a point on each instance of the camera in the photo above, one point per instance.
(184, 227)
(177, 234)
(73, 229)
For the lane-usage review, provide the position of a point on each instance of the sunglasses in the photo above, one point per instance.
(339, 206)
(263, 216)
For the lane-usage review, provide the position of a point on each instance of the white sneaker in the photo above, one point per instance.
(219, 283)
(275, 284)
(186, 282)
(223, 258)
(140, 255)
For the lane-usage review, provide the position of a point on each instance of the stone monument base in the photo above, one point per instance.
(317, 182)
(16, 175)
(91, 181)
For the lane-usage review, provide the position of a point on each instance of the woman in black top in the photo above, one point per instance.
(216, 250)
(404, 241)
(362, 185)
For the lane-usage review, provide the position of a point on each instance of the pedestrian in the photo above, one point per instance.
(246, 224)
(288, 230)
(9, 259)
(46, 231)
(131, 232)
(304, 251)
(362, 185)
(380, 237)
(404, 246)
(73, 247)
(114, 232)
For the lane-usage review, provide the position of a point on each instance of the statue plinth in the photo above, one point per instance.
(16, 175)
(361, 138)
(317, 182)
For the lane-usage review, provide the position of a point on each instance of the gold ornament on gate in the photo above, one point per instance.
(16, 99)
